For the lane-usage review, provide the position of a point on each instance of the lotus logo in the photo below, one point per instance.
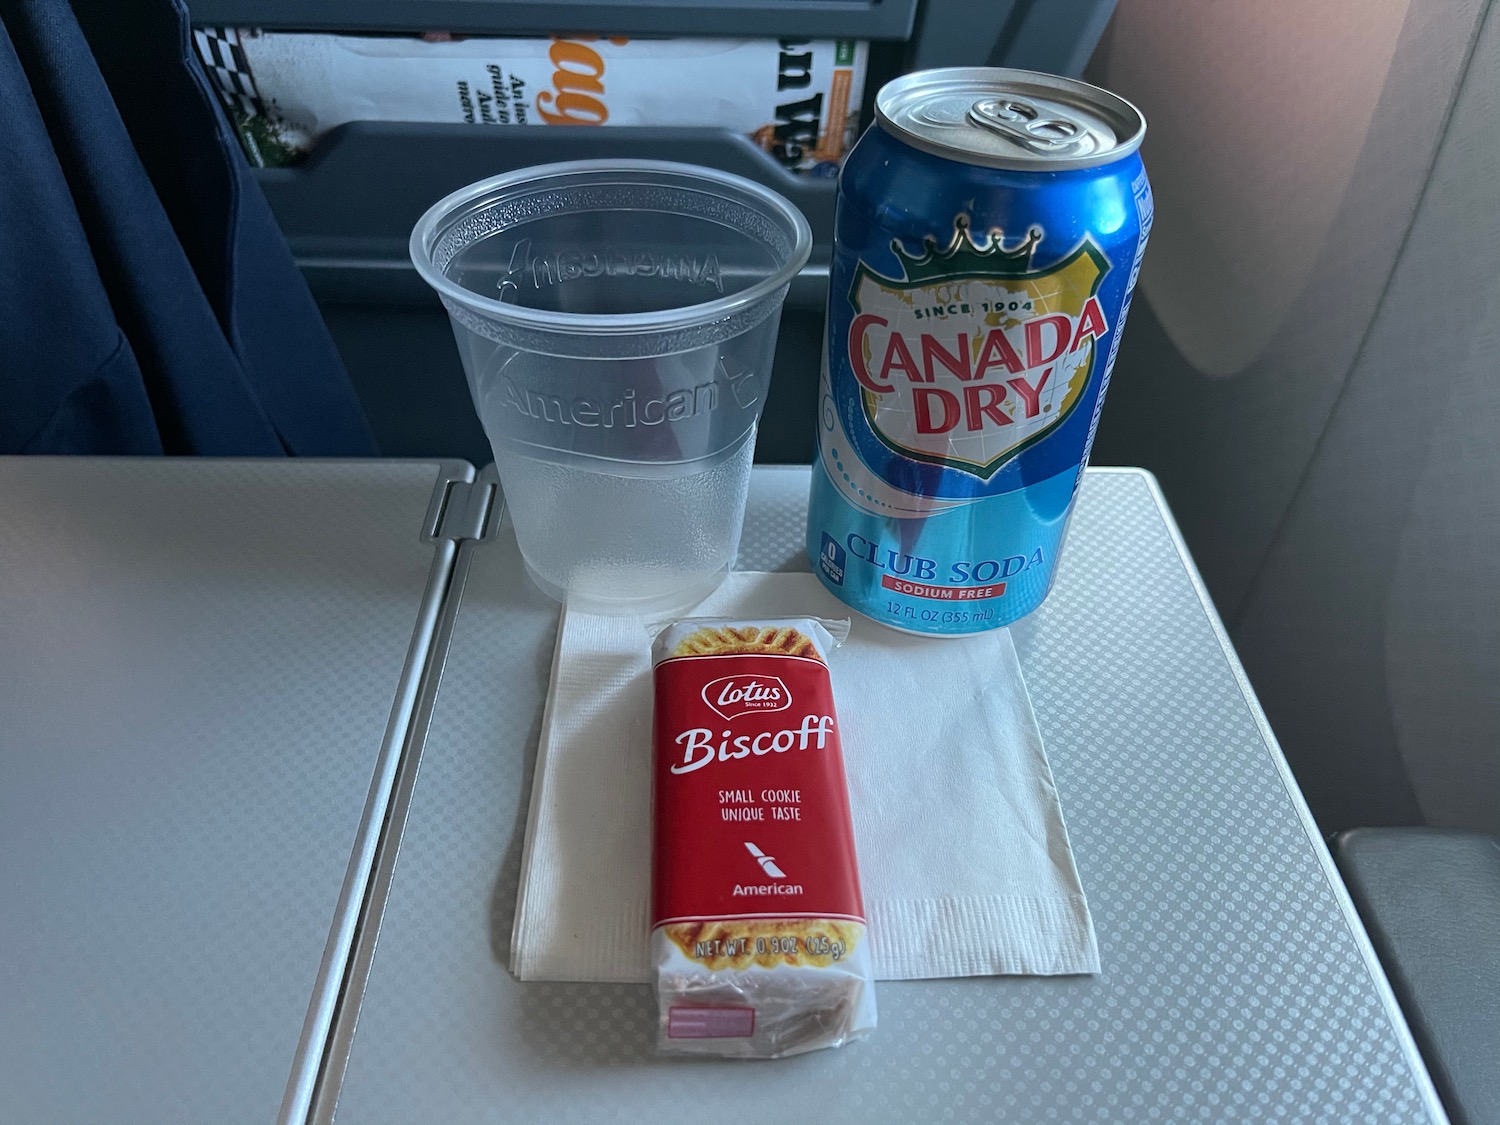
(730, 696)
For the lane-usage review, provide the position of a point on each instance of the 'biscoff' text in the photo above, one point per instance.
(699, 749)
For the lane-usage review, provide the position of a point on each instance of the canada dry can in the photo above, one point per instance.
(990, 229)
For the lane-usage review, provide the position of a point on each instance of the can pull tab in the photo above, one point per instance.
(1024, 122)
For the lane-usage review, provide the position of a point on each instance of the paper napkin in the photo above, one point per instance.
(964, 857)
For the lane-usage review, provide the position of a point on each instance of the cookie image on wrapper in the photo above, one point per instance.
(729, 639)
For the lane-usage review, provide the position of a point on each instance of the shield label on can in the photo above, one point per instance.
(974, 356)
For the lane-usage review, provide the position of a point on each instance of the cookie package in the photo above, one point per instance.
(758, 942)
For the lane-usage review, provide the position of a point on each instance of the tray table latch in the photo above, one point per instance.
(461, 510)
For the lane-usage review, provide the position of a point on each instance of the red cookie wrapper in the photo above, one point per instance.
(758, 944)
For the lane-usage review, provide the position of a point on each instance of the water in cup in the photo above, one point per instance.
(676, 535)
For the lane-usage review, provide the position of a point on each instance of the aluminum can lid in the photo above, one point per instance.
(1002, 118)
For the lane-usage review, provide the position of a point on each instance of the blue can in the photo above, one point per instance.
(989, 233)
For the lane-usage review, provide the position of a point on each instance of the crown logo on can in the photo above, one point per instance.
(964, 255)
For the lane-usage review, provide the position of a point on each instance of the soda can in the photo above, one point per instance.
(989, 233)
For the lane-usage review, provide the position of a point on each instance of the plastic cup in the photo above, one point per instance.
(617, 321)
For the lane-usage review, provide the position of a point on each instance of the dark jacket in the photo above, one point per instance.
(148, 302)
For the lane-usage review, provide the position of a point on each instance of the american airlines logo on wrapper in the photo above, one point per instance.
(732, 696)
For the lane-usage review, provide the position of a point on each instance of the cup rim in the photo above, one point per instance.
(425, 234)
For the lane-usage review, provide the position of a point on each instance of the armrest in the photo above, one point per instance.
(1430, 899)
